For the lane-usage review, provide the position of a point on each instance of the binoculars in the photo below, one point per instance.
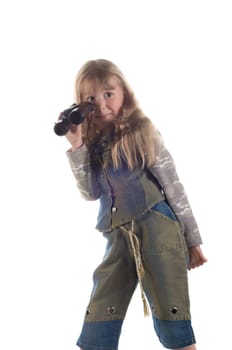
(74, 115)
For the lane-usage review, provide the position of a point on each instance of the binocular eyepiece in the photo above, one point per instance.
(74, 115)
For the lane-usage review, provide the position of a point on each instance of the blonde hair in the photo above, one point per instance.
(136, 140)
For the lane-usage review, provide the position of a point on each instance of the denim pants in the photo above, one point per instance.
(164, 282)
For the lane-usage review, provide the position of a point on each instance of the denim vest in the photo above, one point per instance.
(125, 194)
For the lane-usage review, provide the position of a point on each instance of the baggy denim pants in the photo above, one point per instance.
(164, 258)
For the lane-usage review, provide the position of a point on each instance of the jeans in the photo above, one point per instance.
(163, 254)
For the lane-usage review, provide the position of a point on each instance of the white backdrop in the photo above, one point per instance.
(177, 57)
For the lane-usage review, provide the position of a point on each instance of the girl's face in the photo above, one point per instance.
(107, 99)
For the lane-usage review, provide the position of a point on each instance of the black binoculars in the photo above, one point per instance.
(74, 115)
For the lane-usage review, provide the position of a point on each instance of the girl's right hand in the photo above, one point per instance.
(74, 137)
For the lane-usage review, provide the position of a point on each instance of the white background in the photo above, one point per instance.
(177, 57)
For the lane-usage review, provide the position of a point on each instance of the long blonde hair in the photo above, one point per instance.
(136, 140)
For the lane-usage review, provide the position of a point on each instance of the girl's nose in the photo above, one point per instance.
(100, 104)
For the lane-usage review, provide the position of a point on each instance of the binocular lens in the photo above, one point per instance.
(62, 127)
(74, 115)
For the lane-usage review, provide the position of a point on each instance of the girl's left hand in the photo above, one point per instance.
(196, 257)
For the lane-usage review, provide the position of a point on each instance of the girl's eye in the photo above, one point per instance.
(108, 94)
(90, 99)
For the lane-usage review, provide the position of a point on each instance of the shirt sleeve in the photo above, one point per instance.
(164, 171)
(86, 178)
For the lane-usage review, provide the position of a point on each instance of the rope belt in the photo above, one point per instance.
(135, 245)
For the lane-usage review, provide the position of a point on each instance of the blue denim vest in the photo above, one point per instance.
(126, 194)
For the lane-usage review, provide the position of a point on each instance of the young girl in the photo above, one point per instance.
(118, 157)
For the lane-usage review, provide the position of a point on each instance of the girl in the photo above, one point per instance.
(118, 157)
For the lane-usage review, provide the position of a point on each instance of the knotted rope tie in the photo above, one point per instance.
(135, 245)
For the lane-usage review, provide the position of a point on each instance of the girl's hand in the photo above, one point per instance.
(74, 137)
(196, 257)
